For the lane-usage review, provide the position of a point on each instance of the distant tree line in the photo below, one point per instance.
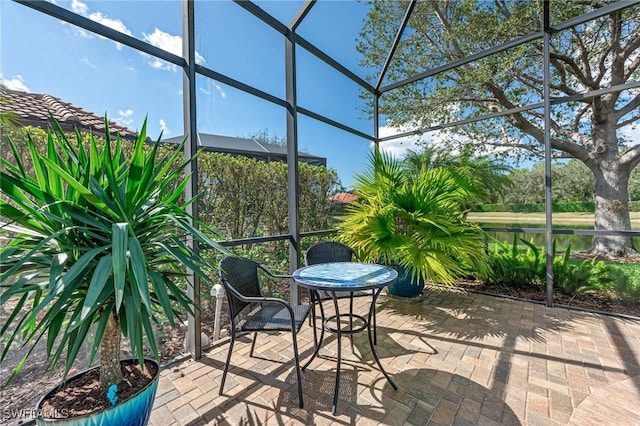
(571, 181)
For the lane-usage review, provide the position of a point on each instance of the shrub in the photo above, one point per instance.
(623, 282)
(570, 277)
(512, 267)
(538, 207)
(509, 266)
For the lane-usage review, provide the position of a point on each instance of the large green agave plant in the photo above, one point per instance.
(416, 220)
(95, 241)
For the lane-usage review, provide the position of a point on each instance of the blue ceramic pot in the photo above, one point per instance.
(404, 287)
(134, 411)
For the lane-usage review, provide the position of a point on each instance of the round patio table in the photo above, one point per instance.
(349, 277)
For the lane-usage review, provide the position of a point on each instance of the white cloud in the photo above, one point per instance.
(159, 64)
(83, 10)
(219, 89)
(399, 147)
(159, 38)
(14, 83)
(163, 127)
(125, 118)
(170, 43)
(79, 31)
(87, 62)
(114, 24)
(164, 41)
(79, 7)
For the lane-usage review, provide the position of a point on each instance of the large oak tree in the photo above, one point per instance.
(600, 54)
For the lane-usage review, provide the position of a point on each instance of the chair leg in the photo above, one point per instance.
(298, 371)
(253, 344)
(226, 365)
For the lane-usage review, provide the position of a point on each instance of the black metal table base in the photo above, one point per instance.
(339, 331)
(349, 330)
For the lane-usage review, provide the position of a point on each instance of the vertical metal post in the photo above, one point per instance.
(292, 160)
(546, 32)
(190, 148)
(376, 119)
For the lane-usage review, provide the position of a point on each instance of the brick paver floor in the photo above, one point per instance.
(458, 359)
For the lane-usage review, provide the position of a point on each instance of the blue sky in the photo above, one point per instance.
(44, 55)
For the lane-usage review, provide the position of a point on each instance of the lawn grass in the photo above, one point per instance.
(564, 218)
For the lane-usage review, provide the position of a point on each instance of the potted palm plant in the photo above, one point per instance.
(415, 221)
(96, 245)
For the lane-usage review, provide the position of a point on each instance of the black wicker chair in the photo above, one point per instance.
(242, 285)
(331, 251)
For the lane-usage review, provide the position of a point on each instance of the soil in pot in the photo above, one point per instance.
(82, 395)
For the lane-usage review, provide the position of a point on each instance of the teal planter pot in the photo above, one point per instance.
(404, 287)
(135, 411)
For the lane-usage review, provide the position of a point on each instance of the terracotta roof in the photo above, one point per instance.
(33, 109)
(343, 197)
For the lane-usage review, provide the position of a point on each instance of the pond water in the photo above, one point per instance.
(576, 242)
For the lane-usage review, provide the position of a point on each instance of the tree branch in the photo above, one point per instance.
(604, 56)
(631, 158)
(627, 122)
(583, 54)
(632, 46)
(575, 123)
(632, 105)
(632, 68)
(568, 64)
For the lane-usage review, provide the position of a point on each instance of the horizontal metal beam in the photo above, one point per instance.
(207, 72)
(465, 121)
(594, 93)
(97, 28)
(563, 231)
(615, 6)
(334, 123)
(259, 13)
(554, 101)
(302, 42)
(559, 231)
(462, 61)
(594, 14)
(255, 240)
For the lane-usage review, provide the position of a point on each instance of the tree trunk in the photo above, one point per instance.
(612, 210)
(110, 369)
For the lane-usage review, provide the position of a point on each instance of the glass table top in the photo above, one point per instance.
(341, 276)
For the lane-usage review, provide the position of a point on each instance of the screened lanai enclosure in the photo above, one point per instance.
(535, 82)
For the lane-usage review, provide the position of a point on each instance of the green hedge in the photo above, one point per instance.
(535, 208)
(634, 206)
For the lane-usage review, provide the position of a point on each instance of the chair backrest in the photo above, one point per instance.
(239, 275)
(328, 251)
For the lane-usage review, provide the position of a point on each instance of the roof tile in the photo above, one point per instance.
(34, 109)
